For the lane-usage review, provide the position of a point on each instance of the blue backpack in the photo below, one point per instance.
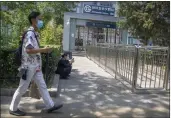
(18, 51)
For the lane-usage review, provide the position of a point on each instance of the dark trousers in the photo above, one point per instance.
(66, 72)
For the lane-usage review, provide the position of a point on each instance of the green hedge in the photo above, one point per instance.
(9, 70)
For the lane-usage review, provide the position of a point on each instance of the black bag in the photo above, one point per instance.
(18, 51)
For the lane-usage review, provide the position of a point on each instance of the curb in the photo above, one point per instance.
(10, 92)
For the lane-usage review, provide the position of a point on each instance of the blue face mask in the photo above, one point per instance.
(39, 24)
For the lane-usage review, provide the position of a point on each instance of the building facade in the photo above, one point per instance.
(92, 23)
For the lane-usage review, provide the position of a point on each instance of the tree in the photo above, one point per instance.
(147, 20)
(16, 16)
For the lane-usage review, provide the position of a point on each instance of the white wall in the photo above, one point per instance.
(66, 33)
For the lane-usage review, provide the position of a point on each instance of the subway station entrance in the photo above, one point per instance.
(94, 33)
(88, 29)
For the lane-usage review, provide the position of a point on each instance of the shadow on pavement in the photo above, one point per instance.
(91, 92)
(107, 97)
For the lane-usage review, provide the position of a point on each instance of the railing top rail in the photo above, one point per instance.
(131, 46)
(154, 47)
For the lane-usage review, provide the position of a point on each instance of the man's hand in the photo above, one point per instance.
(48, 50)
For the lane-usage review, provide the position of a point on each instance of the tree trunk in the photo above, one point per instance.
(34, 92)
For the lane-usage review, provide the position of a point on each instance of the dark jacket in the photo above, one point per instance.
(62, 66)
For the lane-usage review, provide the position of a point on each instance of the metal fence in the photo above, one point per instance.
(143, 67)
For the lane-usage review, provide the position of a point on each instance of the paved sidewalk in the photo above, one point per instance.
(91, 92)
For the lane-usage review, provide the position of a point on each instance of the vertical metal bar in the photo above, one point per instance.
(123, 69)
(120, 58)
(155, 73)
(118, 68)
(152, 63)
(106, 57)
(132, 64)
(116, 60)
(121, 62)
(97, 54)
(140, 68)
(161, 65)
(143, 64)
(112, 58)
(124, 64)
(135, 69)
(99, 49)
(167, 71)
(126, 68)
(129, 67)
(146, 70)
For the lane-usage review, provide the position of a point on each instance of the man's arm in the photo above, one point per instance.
(40, 50)
(30, 48)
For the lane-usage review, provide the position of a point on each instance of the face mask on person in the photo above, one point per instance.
(39, 24)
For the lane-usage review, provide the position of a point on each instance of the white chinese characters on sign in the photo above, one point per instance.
(99, 10)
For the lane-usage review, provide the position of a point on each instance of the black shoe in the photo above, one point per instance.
(17, 113)
(56, 107)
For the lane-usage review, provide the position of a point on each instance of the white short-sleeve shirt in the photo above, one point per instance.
(30, 41)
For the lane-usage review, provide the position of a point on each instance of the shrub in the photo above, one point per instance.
(52, 34)
(9, 70)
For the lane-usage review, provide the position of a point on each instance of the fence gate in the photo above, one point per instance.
(144, 68)
(153, 68)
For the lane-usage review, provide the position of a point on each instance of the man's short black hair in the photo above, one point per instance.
(32, 15)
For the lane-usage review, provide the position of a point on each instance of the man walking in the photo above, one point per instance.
(31, 61)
